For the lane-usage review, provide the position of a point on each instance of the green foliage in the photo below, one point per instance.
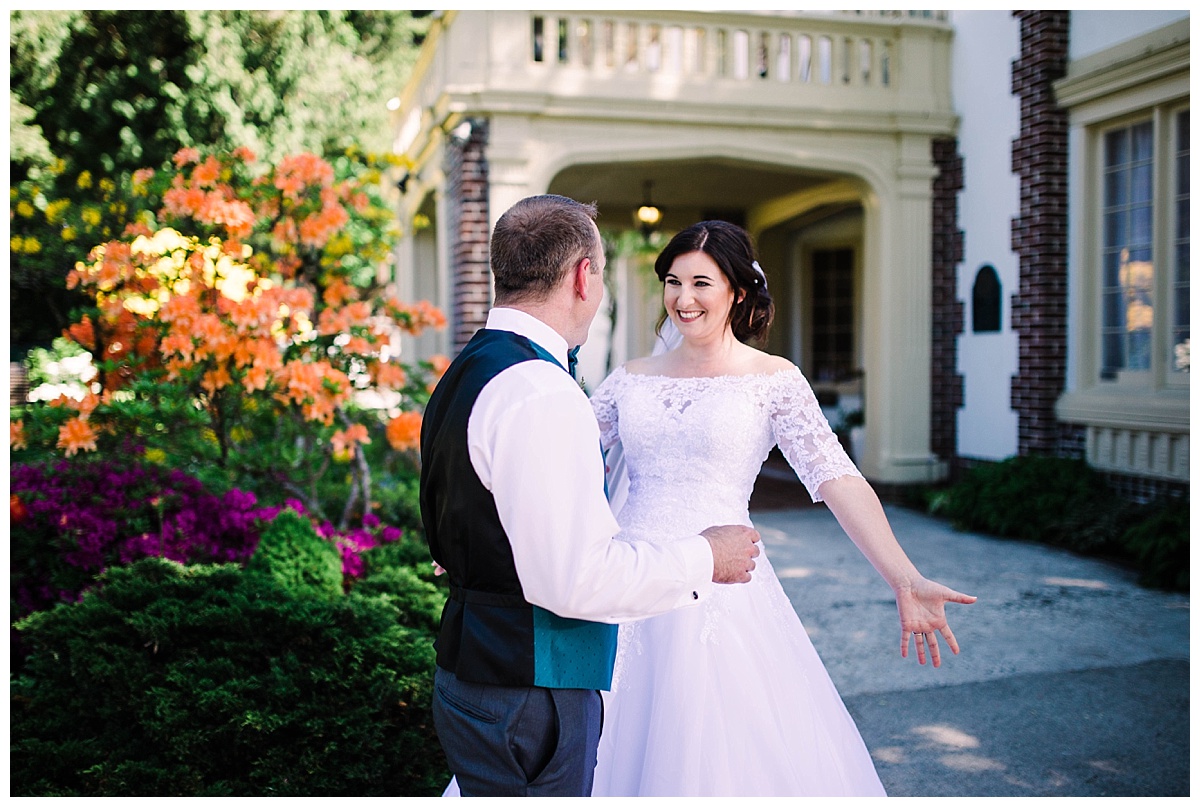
(399, 501)
(1023, 497)
(1161, 544)
(98, 94)
(630, 243)
(410, 552)
(121, 96)
(1066, 503)
(157, 419)
(117, 90)
(35, 42)
(207, 681)
(397, 488)
(418, 601)
(297, 559)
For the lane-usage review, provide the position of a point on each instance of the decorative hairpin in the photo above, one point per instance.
(761, 274)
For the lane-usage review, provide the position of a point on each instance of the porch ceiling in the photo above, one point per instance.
(711, 182)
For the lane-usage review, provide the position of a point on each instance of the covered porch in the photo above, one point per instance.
(814, 131)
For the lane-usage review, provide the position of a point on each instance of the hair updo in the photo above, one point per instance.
(731, 249)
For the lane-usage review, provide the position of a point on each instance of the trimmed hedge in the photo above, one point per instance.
(174, 680)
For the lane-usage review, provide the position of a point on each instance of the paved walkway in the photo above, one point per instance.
(1072, 681)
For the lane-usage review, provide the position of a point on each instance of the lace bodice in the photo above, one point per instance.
(694, 446)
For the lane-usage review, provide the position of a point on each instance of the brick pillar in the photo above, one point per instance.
(467, 210)
(1039, 233)
(947, 311)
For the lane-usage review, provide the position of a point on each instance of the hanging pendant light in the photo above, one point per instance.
(647, 216)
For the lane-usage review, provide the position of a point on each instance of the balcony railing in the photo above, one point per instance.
(686, 64)
(607, 45)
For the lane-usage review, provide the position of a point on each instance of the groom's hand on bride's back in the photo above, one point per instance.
(734, 549)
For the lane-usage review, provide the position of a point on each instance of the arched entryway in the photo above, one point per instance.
(808, 226)
(820, 235)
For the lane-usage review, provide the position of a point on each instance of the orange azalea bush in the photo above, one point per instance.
(237, 320)
(404, 431)
(16, 435)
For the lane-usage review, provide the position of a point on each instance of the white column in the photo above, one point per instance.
(897, 244)
(511, 141)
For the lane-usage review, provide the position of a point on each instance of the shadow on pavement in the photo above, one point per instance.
(1119, 731)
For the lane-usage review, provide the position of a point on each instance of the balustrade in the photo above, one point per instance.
(783, 50)
(835, 69)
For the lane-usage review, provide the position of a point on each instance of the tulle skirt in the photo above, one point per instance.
(728, 698)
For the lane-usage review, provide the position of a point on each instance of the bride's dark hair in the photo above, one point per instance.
(731, 249)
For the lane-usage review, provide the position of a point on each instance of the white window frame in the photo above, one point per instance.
(1146, 78)
(1143, 413)
(1164, 226)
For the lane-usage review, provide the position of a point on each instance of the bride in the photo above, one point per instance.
(730, 698)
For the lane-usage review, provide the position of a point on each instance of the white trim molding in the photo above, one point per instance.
(1138, 423)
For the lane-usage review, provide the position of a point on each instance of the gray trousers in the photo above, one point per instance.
(517, 741)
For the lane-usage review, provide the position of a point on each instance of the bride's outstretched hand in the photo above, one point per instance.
(922, 607)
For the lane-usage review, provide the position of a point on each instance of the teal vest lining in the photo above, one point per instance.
(572, 653)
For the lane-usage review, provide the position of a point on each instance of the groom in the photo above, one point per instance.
(512, 497)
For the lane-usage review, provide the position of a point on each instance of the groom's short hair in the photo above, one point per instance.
(537, 241)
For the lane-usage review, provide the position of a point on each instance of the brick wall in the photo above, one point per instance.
(1142, 489)
(18, 384)
(467, 210)
(1072, 441)
(1039, 233)
(946, 384)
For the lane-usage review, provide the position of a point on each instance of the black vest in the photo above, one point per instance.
(489, 633)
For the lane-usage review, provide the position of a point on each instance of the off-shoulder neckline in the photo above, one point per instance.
(660, 376)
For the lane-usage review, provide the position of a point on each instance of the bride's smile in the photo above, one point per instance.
(694, 289)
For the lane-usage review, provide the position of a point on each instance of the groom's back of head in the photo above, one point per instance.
(536, 241)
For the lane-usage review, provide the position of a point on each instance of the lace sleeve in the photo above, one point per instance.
(803, 433)
(604, 404)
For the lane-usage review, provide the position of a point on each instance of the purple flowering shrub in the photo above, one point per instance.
(76, 518)
(353, 543)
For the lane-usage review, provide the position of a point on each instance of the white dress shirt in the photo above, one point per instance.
(534, 443)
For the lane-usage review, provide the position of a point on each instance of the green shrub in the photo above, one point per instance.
(398, 496)
(409, 550)
(1066, 503)
(1160, 542)
(418, 601)
(1030, 497)
(402, 573)
(299, 561)
(208, 681)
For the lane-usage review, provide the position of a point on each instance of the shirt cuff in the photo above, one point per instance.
(698, 566)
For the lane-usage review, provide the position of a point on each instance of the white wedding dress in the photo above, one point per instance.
(728, 697)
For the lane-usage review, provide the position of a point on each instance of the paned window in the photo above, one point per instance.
(1144, 247)
(833, 314)
(1127, 254)
(1181, 332)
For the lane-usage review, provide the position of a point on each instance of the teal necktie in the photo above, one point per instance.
(573, 361)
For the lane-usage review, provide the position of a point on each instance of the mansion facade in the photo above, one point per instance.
(974, 223)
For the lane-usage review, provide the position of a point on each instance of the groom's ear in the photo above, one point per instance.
(580, 277)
